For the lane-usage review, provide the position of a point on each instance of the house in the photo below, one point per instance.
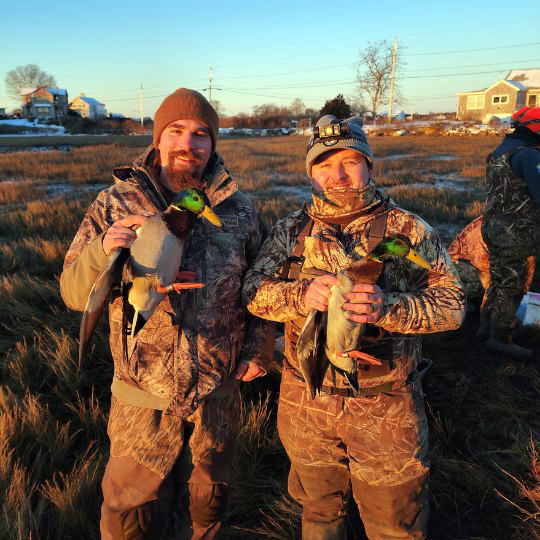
(44, 102)
(88, 107)
(501, 99)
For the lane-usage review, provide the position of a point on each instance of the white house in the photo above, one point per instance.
(501, 99)
(88, 107)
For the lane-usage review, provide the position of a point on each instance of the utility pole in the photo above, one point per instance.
(210, 77)
(391, 94)
(142, 113)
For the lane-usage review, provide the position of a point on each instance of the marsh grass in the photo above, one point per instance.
(483, 411)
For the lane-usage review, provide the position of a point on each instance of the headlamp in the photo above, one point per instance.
(332, 130)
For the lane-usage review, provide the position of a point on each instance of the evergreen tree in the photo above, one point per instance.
(337, 106)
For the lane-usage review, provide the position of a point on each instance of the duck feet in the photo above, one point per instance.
(367, 358)
(185, 280)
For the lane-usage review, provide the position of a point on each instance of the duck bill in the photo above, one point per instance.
(209, 214)
(416, 259)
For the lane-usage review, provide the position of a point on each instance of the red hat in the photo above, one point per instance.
(528, 117)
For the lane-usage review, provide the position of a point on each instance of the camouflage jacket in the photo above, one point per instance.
(190, 345)
(416, 301)
(509, 204)
(468, 245)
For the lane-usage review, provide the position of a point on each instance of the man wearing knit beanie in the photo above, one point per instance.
(176, 374)
(359, 423)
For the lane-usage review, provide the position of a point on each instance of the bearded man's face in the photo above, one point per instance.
(185, 147)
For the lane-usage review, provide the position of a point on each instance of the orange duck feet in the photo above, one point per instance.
(185, 280)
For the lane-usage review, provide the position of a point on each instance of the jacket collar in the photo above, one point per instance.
(220, 184)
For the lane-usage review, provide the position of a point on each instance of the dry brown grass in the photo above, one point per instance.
(53, 443)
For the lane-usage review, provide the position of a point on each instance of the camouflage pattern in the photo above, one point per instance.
(207, 439)
(375, 447)
(436, 305)
(511, 231)
(190, 345)
(385, 436)
(508, 195)
(471, 259)
(155, 439)
(378, 442)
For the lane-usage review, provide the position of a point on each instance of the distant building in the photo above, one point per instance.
(88, 107)
(2, 112)
(44, 102)
(501, 99)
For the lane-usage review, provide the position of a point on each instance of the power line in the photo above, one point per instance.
(268, 95)
(478, 65)
(459, 28)
(265, 75)
(474, 50)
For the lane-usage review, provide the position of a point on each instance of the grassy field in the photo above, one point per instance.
(483, 411)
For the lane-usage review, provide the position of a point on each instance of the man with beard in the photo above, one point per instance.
(511, 229)
(175, 402)
(374, 439)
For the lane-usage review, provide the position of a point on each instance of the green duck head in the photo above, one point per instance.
(397, 246)
(195, 201)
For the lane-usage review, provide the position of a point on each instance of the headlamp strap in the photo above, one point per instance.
(330, 132)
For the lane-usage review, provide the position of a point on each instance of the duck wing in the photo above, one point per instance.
(155, 258)
(99, 297)
(310, 351)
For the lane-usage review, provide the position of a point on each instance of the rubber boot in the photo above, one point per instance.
(316, 530)
(500, 342)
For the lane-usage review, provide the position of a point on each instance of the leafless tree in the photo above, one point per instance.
(28, 76)
(297, 108)
(374, 72)
(270, 115)
(218, 107)
(358, 106)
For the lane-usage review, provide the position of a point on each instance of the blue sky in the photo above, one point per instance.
(267, 51)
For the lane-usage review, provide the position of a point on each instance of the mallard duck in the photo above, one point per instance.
(150, 264)
(332, 337)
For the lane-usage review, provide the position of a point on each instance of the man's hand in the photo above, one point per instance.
(120, 234)
(365, 303)
(247, 371)
(317, 293)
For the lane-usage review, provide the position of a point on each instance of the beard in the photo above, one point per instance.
(180, 176)
(177, 180)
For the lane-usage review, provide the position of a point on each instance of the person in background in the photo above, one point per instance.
(511, 228)
(470, 256)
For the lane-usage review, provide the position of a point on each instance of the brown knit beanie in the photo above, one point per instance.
(188, 104)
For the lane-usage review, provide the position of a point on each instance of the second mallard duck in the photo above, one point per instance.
(332, 337)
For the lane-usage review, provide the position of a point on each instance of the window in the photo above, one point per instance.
(532, 100)
(499, 100)
(475, 102)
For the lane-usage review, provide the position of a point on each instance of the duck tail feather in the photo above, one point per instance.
(97, 301)
(307, 351)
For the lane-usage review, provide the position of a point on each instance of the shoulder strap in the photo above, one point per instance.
(377, 230)
(291, 266)
(306, 225)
